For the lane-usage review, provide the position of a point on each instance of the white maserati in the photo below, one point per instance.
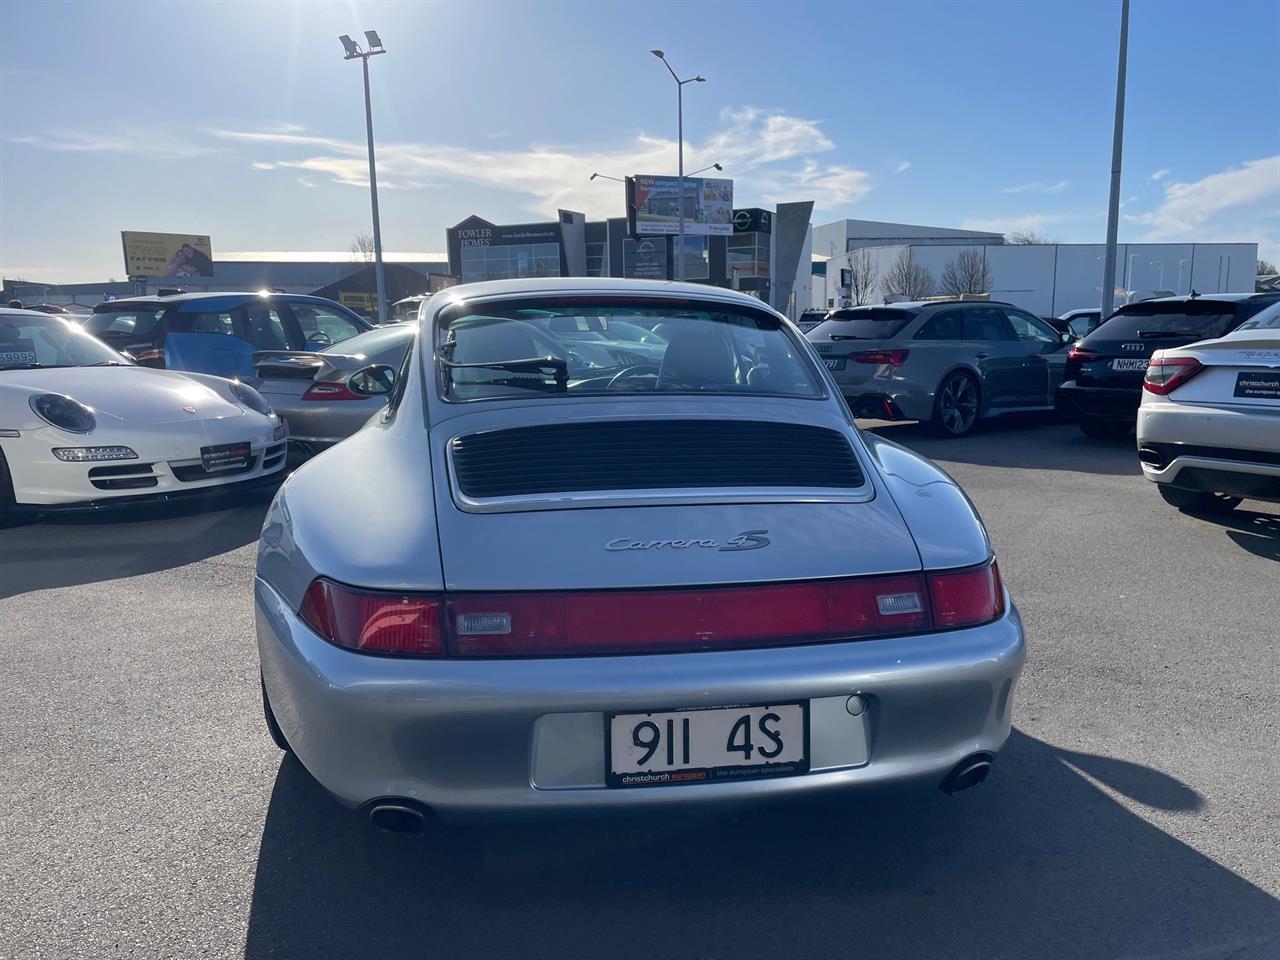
(82, 426)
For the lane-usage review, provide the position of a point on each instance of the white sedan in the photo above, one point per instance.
(82, 426)
(1209, 424)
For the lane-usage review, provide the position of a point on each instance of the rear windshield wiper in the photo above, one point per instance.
(553, 365)
(1157, 334)
(845, 336)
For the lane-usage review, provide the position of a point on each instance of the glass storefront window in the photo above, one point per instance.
(697, 261)
(510, 261)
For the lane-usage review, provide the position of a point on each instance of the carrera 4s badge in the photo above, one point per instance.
(749, 540)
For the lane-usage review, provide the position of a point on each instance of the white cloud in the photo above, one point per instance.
(262, 165)
(902, 167)
(151, 144)
(1160, 174)
(1039, 186)
(1022, 223)
(1189, 210)
(757, 148)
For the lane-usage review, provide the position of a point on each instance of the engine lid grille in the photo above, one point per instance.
(652, 455)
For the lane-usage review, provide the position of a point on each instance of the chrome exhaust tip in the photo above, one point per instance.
(398, 816)
(969, 772)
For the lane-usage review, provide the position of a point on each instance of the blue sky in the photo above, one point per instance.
(241, 120)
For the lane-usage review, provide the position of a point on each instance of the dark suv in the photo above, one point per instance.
(219, 333)
(1102, 386)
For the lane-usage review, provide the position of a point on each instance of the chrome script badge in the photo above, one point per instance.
(750, 540)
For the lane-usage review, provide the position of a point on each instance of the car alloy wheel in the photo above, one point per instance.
(957, 405)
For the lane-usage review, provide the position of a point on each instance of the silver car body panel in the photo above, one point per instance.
(492, 735)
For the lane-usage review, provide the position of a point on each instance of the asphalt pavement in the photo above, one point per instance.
(1134, 813)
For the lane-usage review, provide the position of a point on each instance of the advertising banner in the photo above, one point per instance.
(166, 254)
(654, 206)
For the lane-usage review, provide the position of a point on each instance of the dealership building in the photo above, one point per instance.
(765, 252)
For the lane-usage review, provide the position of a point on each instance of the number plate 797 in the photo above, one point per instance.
(705, 746)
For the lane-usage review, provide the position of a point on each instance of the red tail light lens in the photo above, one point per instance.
(894, 358)
(1077, 357)
(1166, 374)
(330, 391)
(966, 598)
(603, 622)
(374, 622)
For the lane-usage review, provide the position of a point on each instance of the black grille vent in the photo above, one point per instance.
(651, 455)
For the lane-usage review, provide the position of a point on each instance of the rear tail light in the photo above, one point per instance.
(1166, 374)
(894, 358)
(153, 353)
(1076, 358)
(602, 622)
(372, 621)
(330, 391)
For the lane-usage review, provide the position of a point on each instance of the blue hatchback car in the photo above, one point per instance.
(219, 333)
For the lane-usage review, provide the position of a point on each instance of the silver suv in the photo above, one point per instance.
(947, 363)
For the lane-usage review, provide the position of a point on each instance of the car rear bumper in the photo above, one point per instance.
(1078, 402)
(490, 737)
(1222, 450)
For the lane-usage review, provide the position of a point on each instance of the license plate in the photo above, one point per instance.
(227, 456)
(1261, 385)
(1134, 364)
(834, 363)
(707, 746)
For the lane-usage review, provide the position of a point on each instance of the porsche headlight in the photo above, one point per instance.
(63, 412)
(251, 398)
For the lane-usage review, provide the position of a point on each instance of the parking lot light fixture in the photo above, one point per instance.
(680, 152)
(353, 52)
(714, 166)
(605, 176)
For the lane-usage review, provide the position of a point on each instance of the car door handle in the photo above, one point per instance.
(981, 356)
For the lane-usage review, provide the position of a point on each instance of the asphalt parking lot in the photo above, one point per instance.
(1134, 813)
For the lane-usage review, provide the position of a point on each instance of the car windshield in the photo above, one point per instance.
(123, 321)
(1203, 319)
(44, 340)
(521, 348)
(863, 323)
(1268, 319)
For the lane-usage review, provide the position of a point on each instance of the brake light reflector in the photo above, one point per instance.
(1166, 374)
(1076, 358)
(894, 358)
(330, 391)
(968, 597)
(373, 621)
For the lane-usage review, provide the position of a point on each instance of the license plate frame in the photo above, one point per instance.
(222, 457)
(691, 775)
(1130, 364)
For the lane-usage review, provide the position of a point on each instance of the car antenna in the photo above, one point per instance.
(1194, 294)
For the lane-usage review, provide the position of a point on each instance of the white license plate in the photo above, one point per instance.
(1129, 364)
(706, 746)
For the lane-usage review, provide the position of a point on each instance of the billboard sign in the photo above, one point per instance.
(166, 254)
(654, 206)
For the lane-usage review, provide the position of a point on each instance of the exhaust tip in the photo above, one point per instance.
(969, 772)
(398, 816)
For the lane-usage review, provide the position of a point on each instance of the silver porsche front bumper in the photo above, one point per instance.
(487, 737)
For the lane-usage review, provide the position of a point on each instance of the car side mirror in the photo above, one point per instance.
(375, 381)
(1067, 337)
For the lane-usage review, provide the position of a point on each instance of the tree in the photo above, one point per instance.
(1266, 268)
(907, 278)
(863, 276)
(362, 247)
(967, 273)
(1027, 236)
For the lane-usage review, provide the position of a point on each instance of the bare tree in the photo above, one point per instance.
(1027, 236)
(362, 247)
(907, 278)
(863, 276)
(967, 273)
(1266, 268)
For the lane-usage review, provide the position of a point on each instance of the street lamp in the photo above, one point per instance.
(605, 176)
(353, 52)
(680, 139)
(705, 169)
(1180, 263)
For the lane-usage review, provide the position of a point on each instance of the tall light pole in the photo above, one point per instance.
(1117, 150)
(353, 53)
(680, 134)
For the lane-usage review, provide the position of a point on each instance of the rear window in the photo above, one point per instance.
(127, 322)
(534, 348)
(864, 323)
(1268, 319)
(1202, 319)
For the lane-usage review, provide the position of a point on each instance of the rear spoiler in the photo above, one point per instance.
(296, 364)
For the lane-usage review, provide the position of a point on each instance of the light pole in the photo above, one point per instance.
(353, 53)
(1117, 151)
(680, 135)
(1128, 273)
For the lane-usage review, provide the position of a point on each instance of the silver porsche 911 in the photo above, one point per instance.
(543, 581)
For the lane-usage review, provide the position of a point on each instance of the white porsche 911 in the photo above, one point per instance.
(82, 426)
